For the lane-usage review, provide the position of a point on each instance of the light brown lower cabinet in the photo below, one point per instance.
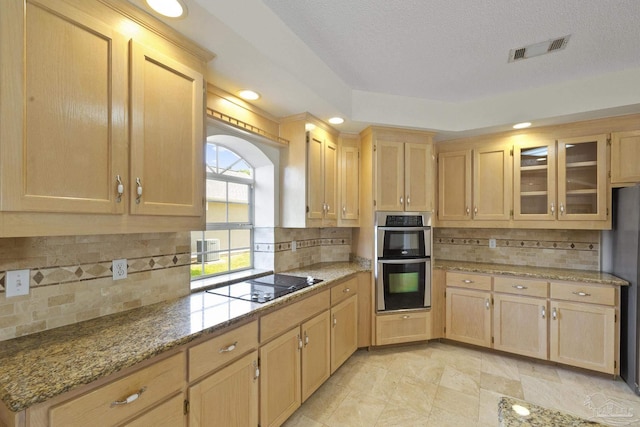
(583, 335)
(520, 325)
(292, 367)
(228, 397)
(468, 316)
(344, 331)
(402, 327)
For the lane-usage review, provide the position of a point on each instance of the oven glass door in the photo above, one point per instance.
(404, 242)
(404, 284)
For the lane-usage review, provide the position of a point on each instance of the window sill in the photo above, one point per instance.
(227, 279)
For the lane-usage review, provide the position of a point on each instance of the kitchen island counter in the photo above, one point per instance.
(39, 366)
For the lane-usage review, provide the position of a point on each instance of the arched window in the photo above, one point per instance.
(226, 244)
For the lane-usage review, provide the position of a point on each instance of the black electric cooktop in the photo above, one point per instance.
(266, 288)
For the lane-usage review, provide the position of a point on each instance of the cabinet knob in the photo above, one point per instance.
(406, 316)
(408, 200)
(475, 211)
(306, 339)
(335, 321)
(544, 312)
(119, 189)
(401, 200)
(553, 208)
(554, 314)
(487, 303)
(561, 209)
(138, 190)
(467, 210)
(346, 290)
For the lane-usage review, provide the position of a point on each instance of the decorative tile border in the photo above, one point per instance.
(74, 273)
(520, 243)
(300, 244)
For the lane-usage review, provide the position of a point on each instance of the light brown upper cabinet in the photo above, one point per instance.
(475, 184)
(625, 158)
(349, 181)
(404, 170)
(534, 180)
(310, 173)
(100, 134)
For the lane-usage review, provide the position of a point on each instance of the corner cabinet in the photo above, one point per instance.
(309, 182)
(88, 131)
(349, 181)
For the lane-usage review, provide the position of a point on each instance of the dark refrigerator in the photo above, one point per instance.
(621, 256)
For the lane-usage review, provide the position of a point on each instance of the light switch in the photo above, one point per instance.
(17, 283)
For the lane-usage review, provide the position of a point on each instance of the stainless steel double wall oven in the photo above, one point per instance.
(403, 268)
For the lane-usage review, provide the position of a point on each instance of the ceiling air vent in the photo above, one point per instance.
(538, 49)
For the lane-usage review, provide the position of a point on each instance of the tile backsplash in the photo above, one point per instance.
(70, 277)
(574, 249)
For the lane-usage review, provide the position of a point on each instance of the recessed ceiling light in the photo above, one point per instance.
(522, 125)
(168, 8)
(336, 120)
(249, 95)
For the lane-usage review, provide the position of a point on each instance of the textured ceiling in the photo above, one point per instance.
(457, 50)
(426, 64)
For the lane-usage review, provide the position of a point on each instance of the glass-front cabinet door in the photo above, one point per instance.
(582, 178)
(534, 180)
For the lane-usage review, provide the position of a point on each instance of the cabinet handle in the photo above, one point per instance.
(406, 316)
(553, 208)
(544, 312)
(401, 200)
(299, 342)
(467, 281)
(256, 371)
(475, 211)
(582, 294)
(561, 209)
(468, 211)
(487, 303)
(335, 321)
(408, 200)
(328, 208)
(129, 399)
(344, 211)
(306, 338)
(554, 313)
(119, 189)
(519, 287)
(138, 190)
(346, 290)
(228, 348)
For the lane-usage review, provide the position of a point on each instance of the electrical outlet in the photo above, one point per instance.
(17, 283)
(119, 267)
(294, 246)
(492, 243)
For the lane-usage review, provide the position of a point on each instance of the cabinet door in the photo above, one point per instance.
(330, 175)
(316, 367)
(454, 186)
(582, 178)
(315, 175)
(227, 398)
(534, 181)
(625, 157)
(344, 331)
(167, 414)
(583, 335)
(63, 114)
(402, 327)
(417, 177)
(492, 182)
(167, 136)
(389, 176)
(350, 183)
(468, 316)
(280, 378)
(520, 325)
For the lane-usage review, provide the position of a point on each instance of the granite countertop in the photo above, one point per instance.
(537, 417)
(563, 274)
(37, 367)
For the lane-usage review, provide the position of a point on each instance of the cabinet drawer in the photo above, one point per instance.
(343, 290)
(402, 327)
(285, 318)
(518, 286)
(580, 292)
(469, 280)
(218, 351)
(158, 381)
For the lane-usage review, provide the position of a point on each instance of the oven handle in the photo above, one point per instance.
(403, 261)
(420, 228)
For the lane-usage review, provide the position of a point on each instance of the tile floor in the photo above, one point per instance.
(439, 384)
